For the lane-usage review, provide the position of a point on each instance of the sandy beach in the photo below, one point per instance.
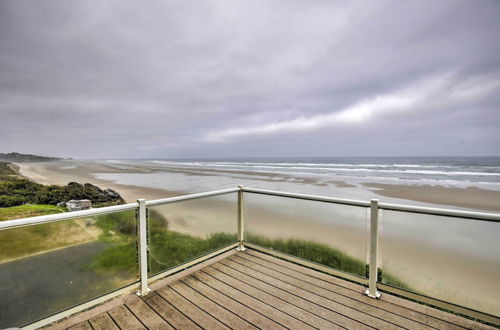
(61, 173)
(84, 171)
(470, 197)
(413, 248)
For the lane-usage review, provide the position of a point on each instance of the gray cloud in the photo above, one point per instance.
(249, 78)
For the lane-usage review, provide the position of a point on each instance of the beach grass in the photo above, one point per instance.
(312, 251)
(168, 248)
(324, 255)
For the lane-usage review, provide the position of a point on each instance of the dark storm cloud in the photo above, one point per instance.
(245, 78)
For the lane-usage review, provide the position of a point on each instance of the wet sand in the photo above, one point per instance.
(471, 197)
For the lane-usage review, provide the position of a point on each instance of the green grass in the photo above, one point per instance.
(315, 252)
(389, 279)
(324, 255)
(169, 248)
(25, 211)
(119, 232)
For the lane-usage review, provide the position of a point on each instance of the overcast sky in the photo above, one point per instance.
(176, 79)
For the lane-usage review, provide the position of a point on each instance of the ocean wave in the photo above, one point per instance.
(461, 172)
(312, 166)
(68, 167)
(333, 170)
(224, 164)
(257, 164)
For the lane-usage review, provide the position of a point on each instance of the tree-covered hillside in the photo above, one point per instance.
(14, 157)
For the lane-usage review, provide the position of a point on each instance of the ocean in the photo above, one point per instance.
(482, 172)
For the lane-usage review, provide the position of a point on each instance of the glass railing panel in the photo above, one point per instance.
(448, 258)
(47, 268)
(329, 234)
(182, 231)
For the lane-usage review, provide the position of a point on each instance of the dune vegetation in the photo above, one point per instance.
(16, 190)
(168, 248)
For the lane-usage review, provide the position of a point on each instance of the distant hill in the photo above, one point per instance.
(14, 157)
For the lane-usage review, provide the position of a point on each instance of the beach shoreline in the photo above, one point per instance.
(469, 197)
(46, 173)
(413, 247)
(85, 171)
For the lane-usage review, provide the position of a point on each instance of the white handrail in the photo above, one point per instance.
(65, 216)
(104, 210)
(473, 215)
(308, 197)
(192, 196)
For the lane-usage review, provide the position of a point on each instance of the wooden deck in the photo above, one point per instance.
(250, 290)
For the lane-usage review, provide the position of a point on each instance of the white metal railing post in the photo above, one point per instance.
(143, 249)
(241, 219)
(373, 273)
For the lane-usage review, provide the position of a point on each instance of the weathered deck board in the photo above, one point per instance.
(417, 312)
(251, 302)
(125, 319)
(366, 313)
(234, 306)
(82, 326)
(273, 300)
(253, 290)
(102, 322)
(225, 316)
(192, 311)
(170, 313)
(293, 296)
(147, 315)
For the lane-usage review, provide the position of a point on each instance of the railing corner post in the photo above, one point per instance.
(241, 220)
(143, 249)
(373, 272)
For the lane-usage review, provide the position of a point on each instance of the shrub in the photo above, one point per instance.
(16, 191)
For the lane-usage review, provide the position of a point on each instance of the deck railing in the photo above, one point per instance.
(384, 250)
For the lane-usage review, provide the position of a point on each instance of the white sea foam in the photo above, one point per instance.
(383, 169)
(463, 172)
